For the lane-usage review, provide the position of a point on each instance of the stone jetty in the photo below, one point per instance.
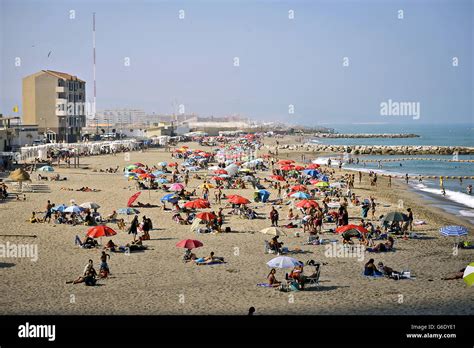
(378, 149)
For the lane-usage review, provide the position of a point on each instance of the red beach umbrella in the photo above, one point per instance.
(305, 203)
(147, 176)
(206, 216)
(139, 164)
(221, 171)
(189, 244)
(100, 231)
(278, 177)
(285, 162)
(197, 204)
(287, 168)
(345, 228)
(298, 168)
(217, 178)
(299, 188)
(239, 200)
(313, 166)
(138, 171)
(133, 198)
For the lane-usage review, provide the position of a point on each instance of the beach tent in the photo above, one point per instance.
(263, 195)
(468, 275)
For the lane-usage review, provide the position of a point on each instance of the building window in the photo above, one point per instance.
(70, 85)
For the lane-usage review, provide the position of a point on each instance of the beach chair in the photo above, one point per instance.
(268, 250)
(313, 281)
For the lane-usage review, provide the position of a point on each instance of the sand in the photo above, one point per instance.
(156, 281)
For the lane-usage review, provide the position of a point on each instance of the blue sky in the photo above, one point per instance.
(282, 61)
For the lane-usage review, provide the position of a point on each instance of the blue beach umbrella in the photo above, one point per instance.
(158, 172)
(73, 209)
(323, 177)
(59, 208)
(300, 195)
(453, 231)
(171, 197)
(311, 172)
(162, 164)
(162, 181)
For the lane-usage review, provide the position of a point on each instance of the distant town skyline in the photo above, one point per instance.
(302, 62)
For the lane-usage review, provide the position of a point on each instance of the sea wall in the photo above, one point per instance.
(378, 149)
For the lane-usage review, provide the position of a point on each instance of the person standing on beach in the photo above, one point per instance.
(372, 206)
(360, 177)
(133, 227)
(406, 178)
(274, 216)
(410, 219)
(389, 181)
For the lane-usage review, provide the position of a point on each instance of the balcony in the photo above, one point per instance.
(61, 89)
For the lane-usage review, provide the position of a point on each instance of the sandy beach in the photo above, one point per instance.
(156, 281)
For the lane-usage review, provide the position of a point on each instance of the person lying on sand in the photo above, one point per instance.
(454, 276)
(382, 247)
(146, 205)
(209, 259)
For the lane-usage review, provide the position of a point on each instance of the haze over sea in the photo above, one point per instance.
(457, 200)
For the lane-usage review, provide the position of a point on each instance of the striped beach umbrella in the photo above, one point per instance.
(468, 275)
(453, 231)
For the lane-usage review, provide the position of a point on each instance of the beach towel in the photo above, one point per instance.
(210, 263)
(265, 285)
(373, 276)
(419, 222)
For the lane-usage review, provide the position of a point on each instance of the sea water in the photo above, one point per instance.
(456, 200)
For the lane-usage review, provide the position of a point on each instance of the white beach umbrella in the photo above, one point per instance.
(283, 262)
(274, 231)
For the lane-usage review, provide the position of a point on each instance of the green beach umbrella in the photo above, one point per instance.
(469, 274)
(395, 216)
(322, 184)
(131, 167)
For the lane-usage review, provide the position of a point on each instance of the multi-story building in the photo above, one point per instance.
(56, 102)
(121, 117)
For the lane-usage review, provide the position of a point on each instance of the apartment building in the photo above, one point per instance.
(56, 102)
